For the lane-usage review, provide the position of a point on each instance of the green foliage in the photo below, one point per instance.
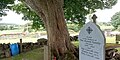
(25, 29)
(76, 43)
(30, 30)
(28, 15)
(7, 27)
(11, 27)
(115, 20)
(109, 3)
(73, 27)
(118, 28)
(2, 28)
(104, 23)
(74, 10)
(4, 5)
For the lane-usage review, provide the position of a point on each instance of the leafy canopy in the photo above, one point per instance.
(28, 15)
(115, 20)
(74, 10)
(4, 4)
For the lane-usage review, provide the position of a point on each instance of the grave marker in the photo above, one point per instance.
(92, 43)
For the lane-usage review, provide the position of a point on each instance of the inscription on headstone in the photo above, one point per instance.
(92, 43)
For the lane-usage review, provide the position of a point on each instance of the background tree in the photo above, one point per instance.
(4, 4)
(28, 15)
(104, 23)
(115, 20)
(52, 14)
(3, 28)
(74, 12)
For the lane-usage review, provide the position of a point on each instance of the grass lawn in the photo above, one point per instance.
(110, 42)
(37, 54)
(110, 39)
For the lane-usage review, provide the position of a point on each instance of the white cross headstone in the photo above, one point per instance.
(92, 43)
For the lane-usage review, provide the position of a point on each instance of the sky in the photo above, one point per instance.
(14, 18)
(103, 15)
(106, 14)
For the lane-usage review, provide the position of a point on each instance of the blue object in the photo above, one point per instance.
(14, 49)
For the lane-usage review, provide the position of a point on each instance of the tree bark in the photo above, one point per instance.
(51, 12)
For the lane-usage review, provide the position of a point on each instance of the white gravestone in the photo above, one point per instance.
(92, 43)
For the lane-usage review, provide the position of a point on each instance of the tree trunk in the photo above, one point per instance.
(51, 12)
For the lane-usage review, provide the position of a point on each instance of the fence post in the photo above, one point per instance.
(45, 52)
(117, 39)
(20, 45)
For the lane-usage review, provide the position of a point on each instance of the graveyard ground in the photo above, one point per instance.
(36, 54)
(110, 43)
(108, 40)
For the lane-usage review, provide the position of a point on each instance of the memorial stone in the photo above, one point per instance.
(92, 43)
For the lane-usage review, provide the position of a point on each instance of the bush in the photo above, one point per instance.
(73, 27)
(118, 28)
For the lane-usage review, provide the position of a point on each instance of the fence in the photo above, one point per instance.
(7, 50)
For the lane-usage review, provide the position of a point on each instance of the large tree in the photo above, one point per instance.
(74, 11)
(53, 14)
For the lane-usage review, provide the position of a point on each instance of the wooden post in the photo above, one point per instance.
(20, 45)
(94, 17)
(45, 52)
(117, 39)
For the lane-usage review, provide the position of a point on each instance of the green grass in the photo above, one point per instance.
(106, 27)
(110, 42)
(110, 39)
(76, 43)
(36, 54)
(118, 49)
